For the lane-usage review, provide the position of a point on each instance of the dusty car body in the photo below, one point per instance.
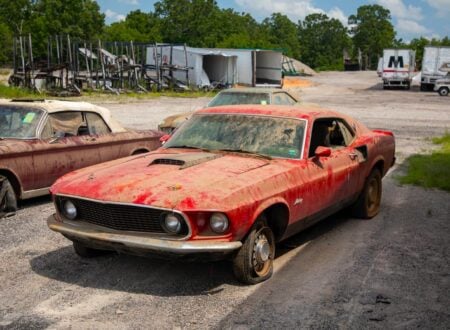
(224, 187)
(234, 96)
(43, 140)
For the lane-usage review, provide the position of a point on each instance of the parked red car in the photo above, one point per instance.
(232, 181)
(42, 140)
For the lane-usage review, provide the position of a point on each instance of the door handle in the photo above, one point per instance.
(353, 155)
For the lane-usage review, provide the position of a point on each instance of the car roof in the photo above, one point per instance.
(299, 111)
(53, 106)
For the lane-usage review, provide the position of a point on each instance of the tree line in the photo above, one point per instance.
(318, 40)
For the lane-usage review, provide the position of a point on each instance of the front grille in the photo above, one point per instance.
(120, 217)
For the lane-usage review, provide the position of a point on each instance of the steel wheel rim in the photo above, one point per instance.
(262, 254)
(373, 194)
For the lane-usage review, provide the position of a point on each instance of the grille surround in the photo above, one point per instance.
(123, 216)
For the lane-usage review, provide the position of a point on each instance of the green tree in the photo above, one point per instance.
(6, 37)
(240, 31)
(282, 33)
(15, 14)
(195, 22)
(322, 41)
(373, 31)
(137, 26)
(81, 19)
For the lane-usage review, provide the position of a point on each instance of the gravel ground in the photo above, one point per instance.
(390, 272)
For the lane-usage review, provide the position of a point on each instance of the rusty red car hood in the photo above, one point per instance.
(185, 180)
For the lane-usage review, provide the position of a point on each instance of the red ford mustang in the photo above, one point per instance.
(232, 181)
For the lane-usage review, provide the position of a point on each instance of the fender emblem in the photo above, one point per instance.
(298, 201)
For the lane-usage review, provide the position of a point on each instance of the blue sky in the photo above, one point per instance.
(411, 18)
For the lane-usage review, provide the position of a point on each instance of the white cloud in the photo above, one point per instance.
(411, 27)
(113, 16)
(442, 7)
(294, 9)
(130, 2)
(400, 10)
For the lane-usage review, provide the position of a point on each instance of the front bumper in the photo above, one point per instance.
(136, 243)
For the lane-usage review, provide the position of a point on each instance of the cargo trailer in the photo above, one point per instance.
(434, 58)
(398, 68)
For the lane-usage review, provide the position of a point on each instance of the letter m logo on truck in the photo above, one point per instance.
(395, 62)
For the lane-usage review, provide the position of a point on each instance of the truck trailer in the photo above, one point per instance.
(434, 58)
(398, 67)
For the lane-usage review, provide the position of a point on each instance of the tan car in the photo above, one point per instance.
(234, 96)
(43, 140)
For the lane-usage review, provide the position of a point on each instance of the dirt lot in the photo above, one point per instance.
(390, 272)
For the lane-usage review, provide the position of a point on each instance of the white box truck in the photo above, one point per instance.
(434, 58)
(398, 67)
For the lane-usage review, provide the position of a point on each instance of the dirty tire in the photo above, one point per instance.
(85, 252)
(368, 204)
(8, 201)
(254, 262)
(443, 91)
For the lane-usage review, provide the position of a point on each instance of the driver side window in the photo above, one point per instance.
(332, 133)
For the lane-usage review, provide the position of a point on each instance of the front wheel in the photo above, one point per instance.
(368, 204)
(443, 91)
(254, 262)
(8, 201)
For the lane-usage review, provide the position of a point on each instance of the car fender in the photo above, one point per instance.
(266, 204)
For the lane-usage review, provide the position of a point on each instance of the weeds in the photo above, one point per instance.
(430, 171)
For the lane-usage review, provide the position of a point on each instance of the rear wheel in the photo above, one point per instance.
(87, 252)
(368, 204)
(254, 261)
(443, 91)
(8, 201)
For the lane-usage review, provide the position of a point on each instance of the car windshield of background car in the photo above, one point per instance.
(19, 122)
(239, 98)
(265, 135)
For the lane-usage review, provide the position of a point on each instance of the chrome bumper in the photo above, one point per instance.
(92, 233)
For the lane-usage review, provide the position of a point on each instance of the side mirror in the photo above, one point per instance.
(163, 139)
(322, 152)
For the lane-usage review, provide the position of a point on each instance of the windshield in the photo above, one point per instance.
(265, 135)
(19, 122)
(229, 98)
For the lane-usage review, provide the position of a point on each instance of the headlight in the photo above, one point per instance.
(219, 223)
(171, 223)
(69, 210)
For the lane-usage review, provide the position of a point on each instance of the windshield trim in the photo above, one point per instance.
(237, 92)
(302, 150)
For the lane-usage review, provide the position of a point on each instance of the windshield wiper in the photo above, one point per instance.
(246, 152)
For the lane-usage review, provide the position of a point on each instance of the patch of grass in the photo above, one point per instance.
(8, 92)
(430, 171)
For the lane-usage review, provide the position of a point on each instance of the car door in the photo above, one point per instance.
(329, 180)
(64, 146)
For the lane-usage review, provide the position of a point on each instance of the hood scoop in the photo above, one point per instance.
(185, 160)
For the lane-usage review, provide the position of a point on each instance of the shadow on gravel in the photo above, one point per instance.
(35, 202)
(379, 87)
(158, 277)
